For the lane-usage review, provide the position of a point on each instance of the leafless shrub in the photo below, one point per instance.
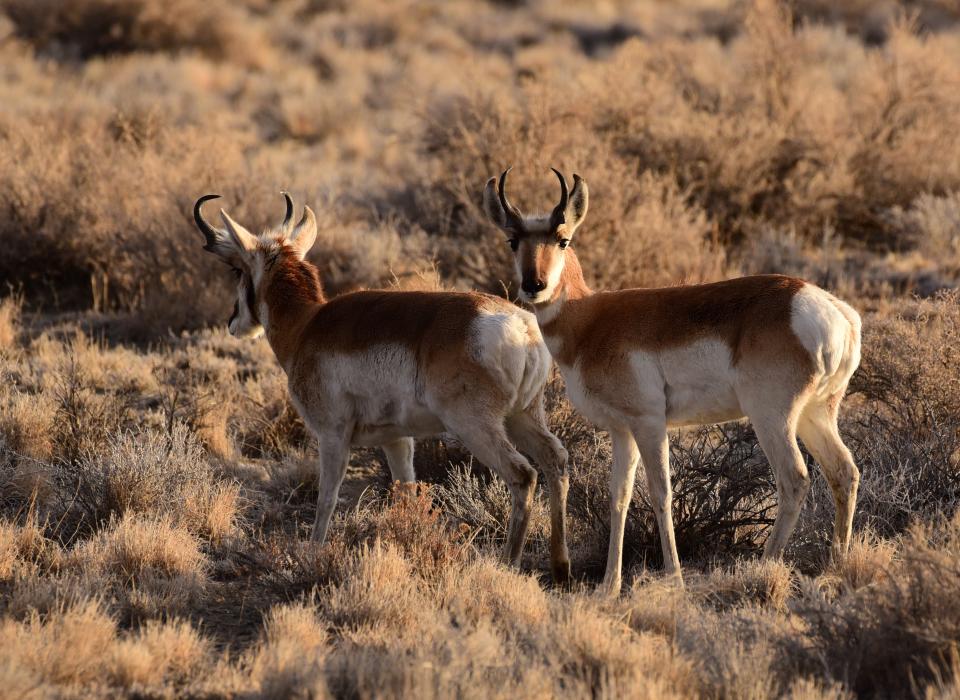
(895, 634)
(147, 473)
(103, 27)
(722, 498)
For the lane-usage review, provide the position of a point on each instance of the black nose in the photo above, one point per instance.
(533, 286)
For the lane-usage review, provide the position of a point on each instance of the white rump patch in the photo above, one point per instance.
(509, 345)
(830, 331)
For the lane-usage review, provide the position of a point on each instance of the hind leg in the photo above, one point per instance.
(400, 460)
(777, 435)
(531, 435)
(818, 430)
(487, 441)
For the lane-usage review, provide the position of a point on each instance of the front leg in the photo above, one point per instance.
(625, 458)
(334, 446)
(651, 437)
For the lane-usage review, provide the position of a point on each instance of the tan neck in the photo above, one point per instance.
(571, 287)
(571, 280)
(293, 296)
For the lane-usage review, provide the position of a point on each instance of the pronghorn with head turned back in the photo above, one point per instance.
(383, 367)
(774, 349)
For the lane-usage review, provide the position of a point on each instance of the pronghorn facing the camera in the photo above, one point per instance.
(774, 349)
(383, 367)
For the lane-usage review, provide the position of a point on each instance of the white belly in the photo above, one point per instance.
(693, 385)
(588, 404)
(699, 384)
(375, 391)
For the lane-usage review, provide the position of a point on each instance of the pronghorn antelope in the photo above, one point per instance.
(383, 367)
(775, 349)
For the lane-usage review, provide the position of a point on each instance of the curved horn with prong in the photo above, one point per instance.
(206, 229)
(559, 214)
(514, 217)
(288, 217)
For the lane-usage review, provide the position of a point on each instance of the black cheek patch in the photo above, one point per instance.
(252, 303)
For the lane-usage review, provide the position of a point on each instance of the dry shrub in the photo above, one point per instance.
(605, 659)
(76, 646)
(10, 309)
(26, 447)
(378, 597)
(149, 566)
(907, 442)
(932, 224)
(149, 473)
(134, 547)
(763, 583)
(212, 431)
(485, 592)
(406, 523)
(362, 254)
(482, 503)
(272, 426)
(102, 27)
(655, 605)
(85, 416)
(24, 550)
(288, 660)
(868, 561)
(416, 528)
(60, 173)
(896, 634)
(211, 510)
(159, 653)
(71, 647)
(26, 425)
(735, 652)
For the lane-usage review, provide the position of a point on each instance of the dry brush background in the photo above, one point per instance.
(156, 485)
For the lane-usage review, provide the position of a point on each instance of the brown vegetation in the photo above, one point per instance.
(156, 485)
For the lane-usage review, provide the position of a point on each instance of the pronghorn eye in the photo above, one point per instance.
(564, 242)
(514, 244)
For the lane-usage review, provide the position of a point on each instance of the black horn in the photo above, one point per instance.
(514, 217)
(288, 217)
(559, 214)
(206, 229)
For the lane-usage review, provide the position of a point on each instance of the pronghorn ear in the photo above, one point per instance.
(491, 204)
(576, 210)
(242, 241)
(304, 234)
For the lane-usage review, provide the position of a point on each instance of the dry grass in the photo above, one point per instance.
(156, 485)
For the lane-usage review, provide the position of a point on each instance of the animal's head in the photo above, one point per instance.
(539, 243)
(255, 260)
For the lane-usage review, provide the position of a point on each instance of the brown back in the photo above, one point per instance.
(737, 311)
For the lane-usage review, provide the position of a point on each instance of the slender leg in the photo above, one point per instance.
(777, 437)
(651, 437)
(400, 459)
(334, 456)
(529, 431)
(487, 441)
(818, 430)
(625, 458)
